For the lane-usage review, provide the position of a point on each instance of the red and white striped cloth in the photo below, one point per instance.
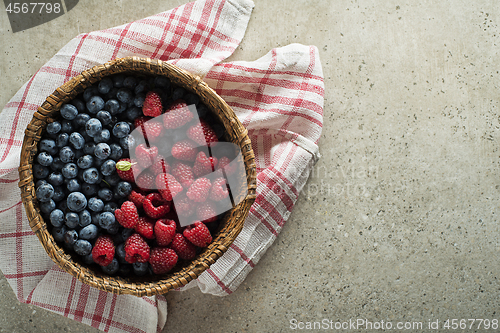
(278, 97)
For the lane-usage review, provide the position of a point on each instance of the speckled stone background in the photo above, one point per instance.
(399, 220)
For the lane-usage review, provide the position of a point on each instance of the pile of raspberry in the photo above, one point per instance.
(108, 195)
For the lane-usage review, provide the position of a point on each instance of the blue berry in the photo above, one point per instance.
(114, 228)
(102, 136)
(81, 119)
(66, 154)
(84, 218)
(69, 111)
(91, 176)
(98, 162)
(121, 129)
(56, 165)
(56, 178)
(40, 172)
(111, 94)
(44, 192)
(191, 99)
(133, 113)
(112, 268)
(73, 185)
(93, 126)
(102, 151)
(123, 189)
(113, 179)
(112, 106)
(85, 161)
(76, 140)
(54, 127)
(95, 204)
(57, 218)
(48, 145)
(110, 207)
(124, 95)
(130, 82)
(139, 100)
(105, 194)
(66, 126)
(95, 104)
(82, 247)
(123, 107)
(116, 151)
(62, 140)
(72, 220)
(105, 85)
(90, 92)
(76, 201)
(58, 194)
(70, 171)
(62, 205)
(118, 80)
(58, 233)
(48, 206)
(89, 148)
(178, 93)
(108, 167)
(128, 142)
(141, 87)
(120, 253)
(106, 219)
(78, 103)
(40, 182)
(45, 158)
(140, 268)
(89, 232)
(70, 237)
(105, 117)
(95, 218)
(162, 82)
(89, 189)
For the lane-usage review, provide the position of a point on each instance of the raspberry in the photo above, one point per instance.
(137, 197)
(144, 227)
(136, 249)
(103, 251)
(219, 190)
(199, 190)
(225, 163)
(162, 260)
(177, 115)
(156, 206)
(184, 150)
(168, 186)
(184, 207)
(184, 249)
(204, 165)
(206, 212)
(127, 216)
(183, 173)
(164, 231)
(139, 123)
(152, 105)
(199, 235)
(145, 156)
(160, 165)
(151, 129)
(202, 134)
(145, 181)
(124, 169)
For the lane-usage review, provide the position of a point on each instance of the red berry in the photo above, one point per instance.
(198, 234)
(206, 212)
(184, 207)
(162, 260)
(145, 155)
(160, 165)
(139, 124)
(219, 190)
(137, 197)
(152, 105)
(177, 115)
(183, 173)
(125, 170)
(184, 249)
(199, 190)
(225, 163)
(184, 150)
(164, 231)
(136, 249)
(168, 186)
(153, 130)
(145, 181)
(127, 215)
(204, 165)
(202, 134)
(145, 227)
(103, 251)
(155, 206)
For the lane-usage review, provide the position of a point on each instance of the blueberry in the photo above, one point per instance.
(118, 80)
(105, 117)
(66, 126)
(202, 111)
(120, 253)
(106, 219)
(116, 151)
(111, 94)
(70, 237)
(57, 218)
(82, 247)
(124, 95)
(45, 158)
(89, 232)
(81, 119)
(139, 100)
(133, 113)
(219, 130)
(40, 172)
(89, 148)
(56, 178)
(141, 87)
(178, 93)
(112, 106)
(58, 233)
(54, 127)
(102, 136)
(95, 204)
(121, 129)
(140, 268)
(110, 206)
(123, 189)
(73, 185)
(108, 167)
(89, 189)
(85, 161)
(93, 126)
(130, 82)
(44, 192)
(62, 205)
(105, 194)
(84, 218)
(112, 268)
(128, 142)
(58, 194)
(98, 162)
(114, 228)
(40, 182)
(66, 154)
(48, 206)
(76, 201)
(56, 165)
(95, 104)
(162, 82)
(48, 145)
(102, 151)
(91, 176)
(69, 111)
(76, 140)
(78, 103)
(105, 85)
(88, 259)
(72, 220)
(62, 140)
(90, 92)
(70, 170)
(191, 99)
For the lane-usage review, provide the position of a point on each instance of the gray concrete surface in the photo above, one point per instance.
(399, 221)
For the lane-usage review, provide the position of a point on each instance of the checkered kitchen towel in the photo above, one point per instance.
(278, 97)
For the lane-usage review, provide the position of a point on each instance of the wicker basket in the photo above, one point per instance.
(231, 224)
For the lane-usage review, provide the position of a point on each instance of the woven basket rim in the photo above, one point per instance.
(232, 223)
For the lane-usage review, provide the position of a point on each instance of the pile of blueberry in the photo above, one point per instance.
(77, 185)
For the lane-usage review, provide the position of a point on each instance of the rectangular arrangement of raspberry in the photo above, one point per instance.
(136, 176)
